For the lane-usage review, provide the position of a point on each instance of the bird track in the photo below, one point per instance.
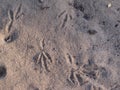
(12, 15)
(42, 58)
(86, 73)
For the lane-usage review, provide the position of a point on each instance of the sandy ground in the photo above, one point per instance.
(59, 44)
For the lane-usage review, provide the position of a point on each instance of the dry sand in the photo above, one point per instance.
(59, 44)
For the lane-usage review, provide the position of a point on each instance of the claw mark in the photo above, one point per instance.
(71, 78)
(9, 24)
(45, 64)
(48, 56)
(10, 15)
(69, 57)
(80, 80)
(17, 12)
(65, 20)
(70, 16)
(43, 58)
(76, 78)
(73, 61)
(43, 44)
(61, 13)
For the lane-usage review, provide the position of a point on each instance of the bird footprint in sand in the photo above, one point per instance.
(42, 58)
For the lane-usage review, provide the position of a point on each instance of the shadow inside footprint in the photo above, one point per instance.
(12, 37)
(35, 58)
(91, 32)
(32, 87)
(78, 6)
(3, 72)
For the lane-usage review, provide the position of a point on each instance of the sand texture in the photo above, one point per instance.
(59, 44)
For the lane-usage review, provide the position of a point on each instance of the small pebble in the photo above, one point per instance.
(109, 5)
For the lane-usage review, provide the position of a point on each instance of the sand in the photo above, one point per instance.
(59, 44)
